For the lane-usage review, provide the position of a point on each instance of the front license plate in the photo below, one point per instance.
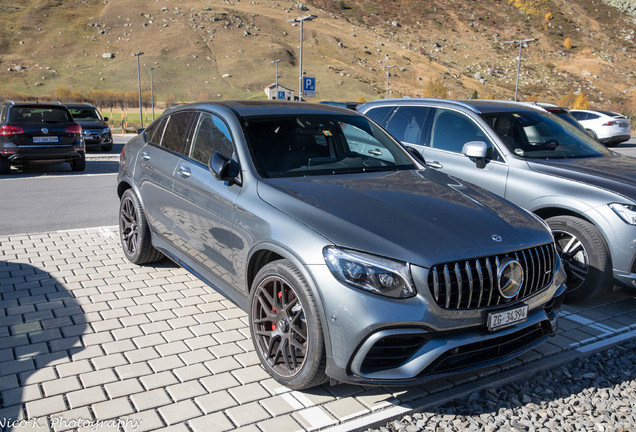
(499, 320)
(45, 139)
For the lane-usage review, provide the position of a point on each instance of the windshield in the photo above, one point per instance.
(534, 135)
(85, 114)
(311, 145)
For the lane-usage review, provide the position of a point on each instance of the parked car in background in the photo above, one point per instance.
(585, 192)
(608, 127)
(33, 132)
(97, 133)
(353, 261)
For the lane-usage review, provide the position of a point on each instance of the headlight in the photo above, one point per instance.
(106, 130)
(627, 212)
(369, 272)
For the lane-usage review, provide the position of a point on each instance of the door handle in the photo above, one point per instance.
(184, 172)
(434, 164)
(375, 152)
(145, 156)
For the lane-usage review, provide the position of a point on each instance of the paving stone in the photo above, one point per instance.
(150, 399)
(165, 363)
(96, 378)
(133, 370)
(314, 418)
(61, 385)
(220, 381)
(196, 356)
(85, 397)
(280, 424)
(113, 408)
(281, 404)
(185, 390)
(123, 388)
(248, 393)
(216, 401)
(216, 422)
(168, 349)
(192, 372)
(109, 361)
(22, 394)
(179, 412)
(158, 380)
(141, 355)
(247, 414)
(143, 421)
(46, 406)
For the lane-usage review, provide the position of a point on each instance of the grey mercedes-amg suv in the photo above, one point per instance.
(585, 192)
(352, 261)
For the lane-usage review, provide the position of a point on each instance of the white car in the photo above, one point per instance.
(608, 127)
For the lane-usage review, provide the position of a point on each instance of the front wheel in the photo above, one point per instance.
(286, 327)
(585, 256)
(134, 231)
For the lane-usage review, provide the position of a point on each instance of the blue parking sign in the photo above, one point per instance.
(309, 86)
(280, 95)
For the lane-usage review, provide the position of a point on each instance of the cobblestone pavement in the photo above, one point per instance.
(89, 341)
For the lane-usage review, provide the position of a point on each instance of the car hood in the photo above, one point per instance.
(422, 217)
(85, 124)
(616, 173)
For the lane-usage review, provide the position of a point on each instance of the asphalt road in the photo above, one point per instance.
(52, 197)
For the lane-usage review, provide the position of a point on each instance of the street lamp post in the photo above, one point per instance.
(300, 76)
(276, 62)
(152, 95)
(141, 119)
(387, 79)
(520, 42)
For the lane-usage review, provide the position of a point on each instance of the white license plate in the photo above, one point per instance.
(45, 139)
(498, 320)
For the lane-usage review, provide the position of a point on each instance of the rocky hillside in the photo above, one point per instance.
(223, 48)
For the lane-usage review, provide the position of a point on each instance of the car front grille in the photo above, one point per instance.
(474, 283)
(392, 351)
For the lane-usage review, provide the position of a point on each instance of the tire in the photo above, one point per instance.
(134, 231)
(585, 256)
(592, 134)
(5, 166)
(79, 164)
(286, 328)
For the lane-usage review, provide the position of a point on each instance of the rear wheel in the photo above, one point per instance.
(134, 231)
(585, 256)
(592, 134)
(286, 327)
(5, 165)
(79, 164)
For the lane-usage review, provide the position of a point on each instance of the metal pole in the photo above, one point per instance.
(520, 42)
(300, 73)
(141, 119)
(276, 62)
(300, 77)
(152, 96)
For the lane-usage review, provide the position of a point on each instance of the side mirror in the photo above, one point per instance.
(416, 154)
(476, 150)
(140, 130)
(106, 119)
(223, 168)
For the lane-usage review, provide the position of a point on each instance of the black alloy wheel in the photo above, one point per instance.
(286, 328)
(134, 231)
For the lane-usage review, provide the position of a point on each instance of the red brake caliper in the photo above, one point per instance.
(280, 297)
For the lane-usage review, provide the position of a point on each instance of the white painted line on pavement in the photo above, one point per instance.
(606, 342)
(316, 417)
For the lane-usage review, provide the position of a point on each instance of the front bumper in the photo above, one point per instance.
(98, 140)
(381, 341)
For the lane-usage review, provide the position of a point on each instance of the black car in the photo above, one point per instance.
(32, 132)
(96, 130)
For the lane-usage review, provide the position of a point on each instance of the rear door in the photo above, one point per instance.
(158, 159)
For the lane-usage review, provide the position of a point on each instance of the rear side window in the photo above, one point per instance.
(408, 124)
(39, 114)
(176, 134)
(211, 136)
(154, 132)
(379, 115)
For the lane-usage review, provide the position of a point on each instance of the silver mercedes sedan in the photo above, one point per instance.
(353, 261)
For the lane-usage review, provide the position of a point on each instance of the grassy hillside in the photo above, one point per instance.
(223, 48)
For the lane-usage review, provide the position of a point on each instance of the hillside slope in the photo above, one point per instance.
(223, 48)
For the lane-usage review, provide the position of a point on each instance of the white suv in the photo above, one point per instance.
(608, 127)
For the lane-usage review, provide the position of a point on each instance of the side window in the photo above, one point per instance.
(451, 130)
(379, 114)
(591, 116)
(211, 135)
(154, 132)
(408, 124)
(579, 115)
(175, 137)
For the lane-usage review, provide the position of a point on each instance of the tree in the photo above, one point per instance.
(567, 43)
(581, 102)
(435, 89)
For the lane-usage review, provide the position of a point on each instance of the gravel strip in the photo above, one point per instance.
(595, 393)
